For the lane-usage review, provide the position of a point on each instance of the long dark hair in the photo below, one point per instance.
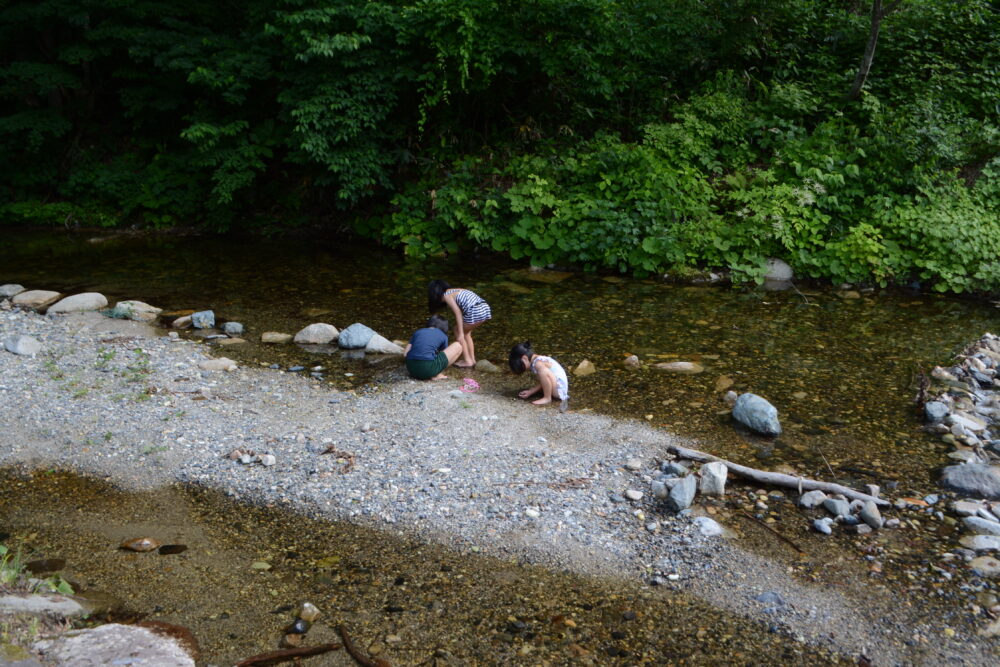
(435, 294)
(518, 351)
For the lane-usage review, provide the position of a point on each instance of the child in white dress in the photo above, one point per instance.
(552, 380)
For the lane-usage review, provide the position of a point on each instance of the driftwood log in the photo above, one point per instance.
(776, 478)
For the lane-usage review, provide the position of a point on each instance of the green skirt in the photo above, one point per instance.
(424, 369)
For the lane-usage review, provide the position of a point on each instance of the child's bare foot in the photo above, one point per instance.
(542, 401)
(465, 364)
(440, 376)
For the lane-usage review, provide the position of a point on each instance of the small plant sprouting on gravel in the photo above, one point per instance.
(138, 371)
(154, 449)
(107, 436)
(104, 357)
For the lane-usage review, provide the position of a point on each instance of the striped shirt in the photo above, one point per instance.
(474, 308)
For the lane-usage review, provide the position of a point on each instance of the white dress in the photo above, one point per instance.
(562, 382)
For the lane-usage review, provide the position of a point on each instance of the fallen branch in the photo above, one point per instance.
(779, 535)
(284, 655)
(358, 656)
(776, 478)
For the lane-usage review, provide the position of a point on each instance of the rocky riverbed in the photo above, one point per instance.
(481, 473)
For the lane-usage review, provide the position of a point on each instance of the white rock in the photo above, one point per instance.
(708, 527)
(713, 479)
(319, 333)
(584, 368)
(633, 464)
(777, 270)
(79, 303)
(380, 345)
(36, 299)
(23, 345)
(533, 513)
(220, 364)
(811, 499)
(59, 605)
(633, 494)
(114, 644)
(9, 290)
(309, 612)
(484, 366)
(137, 310)
(681, 367)
(981, 526)
(182, 322)
(986, 566)
(870, 515)
(981, 542)
(267, 459)
(275, 337)
(966, 421)
(965, 507)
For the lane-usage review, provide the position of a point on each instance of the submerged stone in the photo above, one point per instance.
(757, 414)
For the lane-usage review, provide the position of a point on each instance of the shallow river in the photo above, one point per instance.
(840, 370)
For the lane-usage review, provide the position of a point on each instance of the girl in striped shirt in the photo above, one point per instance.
(470, 311)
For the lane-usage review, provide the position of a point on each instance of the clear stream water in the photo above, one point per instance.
(841, 372)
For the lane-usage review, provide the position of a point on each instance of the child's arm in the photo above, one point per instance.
(406, 350)
(527, 393)
(450, 300)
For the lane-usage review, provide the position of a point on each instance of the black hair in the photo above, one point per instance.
(435, 294)
(518, 351)
(437, 322)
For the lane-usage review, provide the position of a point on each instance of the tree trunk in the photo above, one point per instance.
(879, 12)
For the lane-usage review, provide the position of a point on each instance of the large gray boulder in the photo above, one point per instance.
(79, 303)
(23, 345)
(757, 414)
(114, 644)
(355, 337)
(9, 290)
(973, 479)
(379, 345)
(319, 333)
(35, 299)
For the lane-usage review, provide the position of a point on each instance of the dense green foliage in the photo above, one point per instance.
(633, 135)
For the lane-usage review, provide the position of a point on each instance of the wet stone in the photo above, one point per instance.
(837, 507)
(812, 499)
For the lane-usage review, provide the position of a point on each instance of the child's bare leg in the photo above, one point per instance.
(548, 388)
(468, 347)
(452, 352)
